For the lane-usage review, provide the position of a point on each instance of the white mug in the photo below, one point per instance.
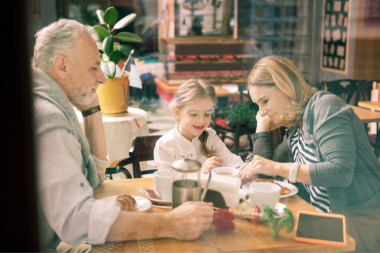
(226, 172)
(262, 193)
(163, 182)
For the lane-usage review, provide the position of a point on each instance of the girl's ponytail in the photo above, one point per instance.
(205, 151)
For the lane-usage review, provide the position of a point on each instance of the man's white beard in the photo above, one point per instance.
(82, 99)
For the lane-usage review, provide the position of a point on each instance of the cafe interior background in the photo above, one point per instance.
(219, 40)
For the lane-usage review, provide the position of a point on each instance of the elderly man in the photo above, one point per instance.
(71, 163)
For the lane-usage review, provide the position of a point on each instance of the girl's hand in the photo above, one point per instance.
(212, 163)
(258, 165)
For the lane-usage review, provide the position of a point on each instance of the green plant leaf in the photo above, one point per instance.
(125, 49)
(109, 69)
(125, 21)
(115, 56)
(100, 15)
(128, 37)
(105, 58)
(107, 46)
(100, 45)
(102, 32)
(110, 16)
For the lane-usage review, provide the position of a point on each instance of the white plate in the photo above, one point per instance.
(143, 204)
(278, 208)
(159, 201)
(292, 188)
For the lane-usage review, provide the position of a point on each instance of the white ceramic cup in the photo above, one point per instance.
(225, 171)
(262, 193)
(163, 182)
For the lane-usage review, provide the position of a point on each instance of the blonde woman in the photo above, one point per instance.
(326, 149)
(192, 106)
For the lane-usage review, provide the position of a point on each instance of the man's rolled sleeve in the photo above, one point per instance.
(100, 166)
(66, 196)
(103, 214)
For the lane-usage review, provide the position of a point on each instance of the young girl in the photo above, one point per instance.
(192, 106)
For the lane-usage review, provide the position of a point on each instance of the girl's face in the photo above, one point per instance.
(194, 117)
(272, 102)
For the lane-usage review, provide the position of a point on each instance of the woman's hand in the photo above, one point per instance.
(258, 165)
(212, 163)
(264, 124)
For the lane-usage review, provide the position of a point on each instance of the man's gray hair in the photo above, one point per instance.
(59, 38)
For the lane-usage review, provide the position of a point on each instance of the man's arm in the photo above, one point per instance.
(94, 130)
(186, 222)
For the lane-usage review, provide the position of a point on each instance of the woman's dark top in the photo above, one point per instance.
(347, 166)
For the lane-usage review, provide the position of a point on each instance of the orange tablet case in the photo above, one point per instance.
(317, 241)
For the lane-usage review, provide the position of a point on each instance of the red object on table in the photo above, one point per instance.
(167, 96)
(223, 221)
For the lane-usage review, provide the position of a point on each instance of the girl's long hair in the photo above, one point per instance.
(192, 90)
(282, 73)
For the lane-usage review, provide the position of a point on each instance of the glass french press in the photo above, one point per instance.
(186, 180)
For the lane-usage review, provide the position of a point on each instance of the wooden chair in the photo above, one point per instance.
(142, 150)
(364, 91)
(338, 87)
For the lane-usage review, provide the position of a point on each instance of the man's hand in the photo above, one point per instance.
(212, 163)
(258, 165)
(189, 220)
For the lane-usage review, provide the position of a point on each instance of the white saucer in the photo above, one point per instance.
(292, 188)
(279, 208)
(143, 204)
(159, 201)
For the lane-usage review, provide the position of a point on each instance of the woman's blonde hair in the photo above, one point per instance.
(282, 73)
(192, 90)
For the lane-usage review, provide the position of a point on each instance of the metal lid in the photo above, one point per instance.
(186, 164)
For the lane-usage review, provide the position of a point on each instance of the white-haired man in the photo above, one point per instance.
(71, 163)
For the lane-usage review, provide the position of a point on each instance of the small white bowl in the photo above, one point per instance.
(225, 172)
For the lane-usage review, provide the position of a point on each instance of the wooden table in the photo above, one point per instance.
(365, 115)
(370, 105)
(245, 238)
(167, 91)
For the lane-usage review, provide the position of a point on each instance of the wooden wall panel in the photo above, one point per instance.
(367, 48)
(367, 59)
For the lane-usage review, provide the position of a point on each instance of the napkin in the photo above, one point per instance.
(227, 186)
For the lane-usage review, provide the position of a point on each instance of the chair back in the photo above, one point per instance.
(142, 150)
(364, 91)
(342, 89)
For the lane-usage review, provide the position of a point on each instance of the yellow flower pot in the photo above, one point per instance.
(114, 96)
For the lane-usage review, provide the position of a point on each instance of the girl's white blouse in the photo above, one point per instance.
(172, 144)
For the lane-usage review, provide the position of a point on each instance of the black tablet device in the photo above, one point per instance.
(320, 228)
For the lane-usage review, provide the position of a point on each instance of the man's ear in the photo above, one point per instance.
(61, 66)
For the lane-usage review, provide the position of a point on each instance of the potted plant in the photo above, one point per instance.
(114, 94)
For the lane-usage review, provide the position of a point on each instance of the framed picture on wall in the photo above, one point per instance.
(33, 7)
(335, 36)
